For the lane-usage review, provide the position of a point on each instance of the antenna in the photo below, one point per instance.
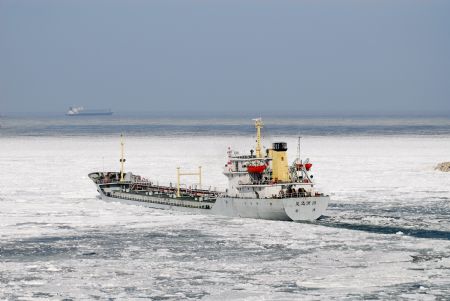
(122, 159)
(298, 148)
(258, 125)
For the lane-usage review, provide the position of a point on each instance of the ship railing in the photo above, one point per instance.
(279, 196)
(271, 182)
(255, 183)
(189, 191)
(164, 198)
(285, 195)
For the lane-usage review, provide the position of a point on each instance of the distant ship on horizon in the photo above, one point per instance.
(80, 111)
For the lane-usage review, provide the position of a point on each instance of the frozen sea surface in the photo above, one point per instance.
(386, 234)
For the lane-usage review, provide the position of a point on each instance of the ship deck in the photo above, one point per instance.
(164, 199)
(166, 195)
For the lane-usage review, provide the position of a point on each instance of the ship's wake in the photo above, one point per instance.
(385, 229)
(426, 220)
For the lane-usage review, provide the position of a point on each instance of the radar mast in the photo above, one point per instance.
(122, 159)
(258, 126)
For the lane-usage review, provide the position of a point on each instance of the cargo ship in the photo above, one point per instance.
(261, 184)
(80, 111)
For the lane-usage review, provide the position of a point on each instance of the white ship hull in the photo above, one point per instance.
(284, 209)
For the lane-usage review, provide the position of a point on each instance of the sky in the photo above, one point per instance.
(298, 57)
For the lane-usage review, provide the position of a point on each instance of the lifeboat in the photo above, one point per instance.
(256, 168)
(308, 166)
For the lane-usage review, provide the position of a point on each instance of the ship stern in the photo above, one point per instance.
(306, 208)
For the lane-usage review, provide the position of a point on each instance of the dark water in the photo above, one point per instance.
(193, 126)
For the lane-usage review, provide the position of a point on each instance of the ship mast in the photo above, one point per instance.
(122, 159)
(258, 125)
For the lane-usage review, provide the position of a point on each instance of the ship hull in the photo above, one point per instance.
(283, 209)
(91, 114)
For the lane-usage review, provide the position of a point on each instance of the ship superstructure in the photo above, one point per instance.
(262, 184)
